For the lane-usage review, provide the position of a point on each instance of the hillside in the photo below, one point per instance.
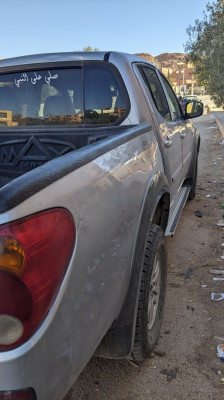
(170, 60)
(165, 60)
(147, 56)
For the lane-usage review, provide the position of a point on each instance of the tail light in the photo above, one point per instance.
(34, 256)
(25, 394)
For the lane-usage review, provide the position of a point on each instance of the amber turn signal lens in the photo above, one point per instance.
(12, 255)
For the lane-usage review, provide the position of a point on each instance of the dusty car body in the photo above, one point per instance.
(109, 179)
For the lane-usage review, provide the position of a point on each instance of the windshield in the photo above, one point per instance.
(68, 96)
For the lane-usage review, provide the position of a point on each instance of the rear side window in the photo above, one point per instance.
(175, 106)
(155, 87)
(93, 94)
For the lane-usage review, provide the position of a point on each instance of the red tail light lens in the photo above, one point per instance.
(34, 256)
(26, 394)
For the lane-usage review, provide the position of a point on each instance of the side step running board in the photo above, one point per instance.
(176, 209)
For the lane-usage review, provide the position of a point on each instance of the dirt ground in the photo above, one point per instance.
(184, 364)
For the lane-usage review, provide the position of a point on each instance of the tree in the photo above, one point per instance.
(205, 48)
(89, 48)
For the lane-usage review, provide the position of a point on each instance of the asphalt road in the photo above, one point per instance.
(184, 364)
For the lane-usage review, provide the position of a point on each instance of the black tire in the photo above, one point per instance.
(192, 192)
(152, 294)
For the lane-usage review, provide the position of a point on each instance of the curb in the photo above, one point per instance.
(219, 117)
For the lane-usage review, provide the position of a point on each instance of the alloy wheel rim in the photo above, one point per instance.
(154, 291)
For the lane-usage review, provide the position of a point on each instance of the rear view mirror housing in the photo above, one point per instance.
(193, 109)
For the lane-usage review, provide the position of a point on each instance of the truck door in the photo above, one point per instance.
(169, 126)
(185, 127)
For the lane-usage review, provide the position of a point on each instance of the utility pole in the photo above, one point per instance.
(183, 83)
(180, 63)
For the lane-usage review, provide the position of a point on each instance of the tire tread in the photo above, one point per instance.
(139, 351)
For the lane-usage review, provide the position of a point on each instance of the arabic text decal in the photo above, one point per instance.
(36, 77)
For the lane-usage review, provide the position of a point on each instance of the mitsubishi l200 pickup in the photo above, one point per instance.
(97, 160)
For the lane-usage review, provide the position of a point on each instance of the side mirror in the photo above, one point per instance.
(193, 109)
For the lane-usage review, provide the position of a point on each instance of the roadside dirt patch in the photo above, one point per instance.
(184, 364)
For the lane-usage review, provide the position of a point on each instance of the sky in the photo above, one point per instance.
(131, 26)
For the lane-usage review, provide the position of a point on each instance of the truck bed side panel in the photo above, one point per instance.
(105, 197)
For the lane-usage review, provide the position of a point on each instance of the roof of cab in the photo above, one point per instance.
(68, 57)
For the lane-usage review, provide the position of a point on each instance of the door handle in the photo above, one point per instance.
(168, 142)
(182, 135)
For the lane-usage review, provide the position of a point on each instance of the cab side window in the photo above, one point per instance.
(151, 79)
(175, 106)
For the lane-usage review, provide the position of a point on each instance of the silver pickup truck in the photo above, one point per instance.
(97, 160)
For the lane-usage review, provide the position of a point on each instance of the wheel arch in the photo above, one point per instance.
(118, 341)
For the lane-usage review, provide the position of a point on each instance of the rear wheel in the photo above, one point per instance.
(152, 293)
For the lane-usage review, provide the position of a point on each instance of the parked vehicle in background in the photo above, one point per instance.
(185, 99)
(97, 161)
